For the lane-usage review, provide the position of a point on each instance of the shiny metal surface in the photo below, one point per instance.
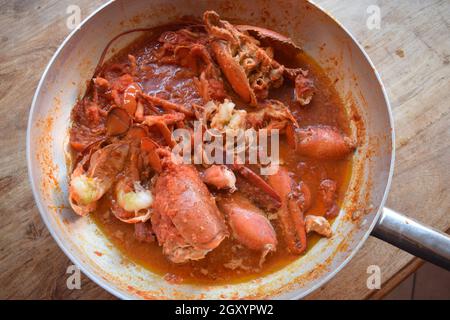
(414, 237)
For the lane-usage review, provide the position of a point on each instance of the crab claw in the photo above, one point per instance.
(320, 142)
(291, 211)
(185, 217)
(256, 180)
(327, 189)
(274, 39)
(233, 71)
(249, 224)
(132, 201)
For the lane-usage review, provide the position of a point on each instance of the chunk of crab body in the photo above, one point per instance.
(318, 224)
(135, 200)
(234, 73)
(223, 115)
(273, 38)
(101, 82)
(85, 190)
(231, 49)
(259, 84)
(276, 113)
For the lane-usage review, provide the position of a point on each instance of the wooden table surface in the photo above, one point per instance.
(411, 50)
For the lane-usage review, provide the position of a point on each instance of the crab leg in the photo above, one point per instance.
(162, 122)
(296, 216)
(168, 119)
(290, 213)
(258, 181)
(167, 105)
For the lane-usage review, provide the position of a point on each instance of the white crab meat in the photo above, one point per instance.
(85, 189)
(135, 201)
(318, 224)
(227, 118)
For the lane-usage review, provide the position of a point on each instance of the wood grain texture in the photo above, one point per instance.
(411, 51)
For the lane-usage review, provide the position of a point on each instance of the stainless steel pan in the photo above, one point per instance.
(321, 37)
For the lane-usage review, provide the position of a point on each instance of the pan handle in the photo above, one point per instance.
(412, 236)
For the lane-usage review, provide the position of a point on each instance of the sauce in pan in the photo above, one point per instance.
(143, 63)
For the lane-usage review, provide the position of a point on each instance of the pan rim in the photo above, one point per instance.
(91, 275)
(107, 285)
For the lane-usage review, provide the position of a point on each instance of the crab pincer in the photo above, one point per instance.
(87, 186)
(248, 223)
(294, 202)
